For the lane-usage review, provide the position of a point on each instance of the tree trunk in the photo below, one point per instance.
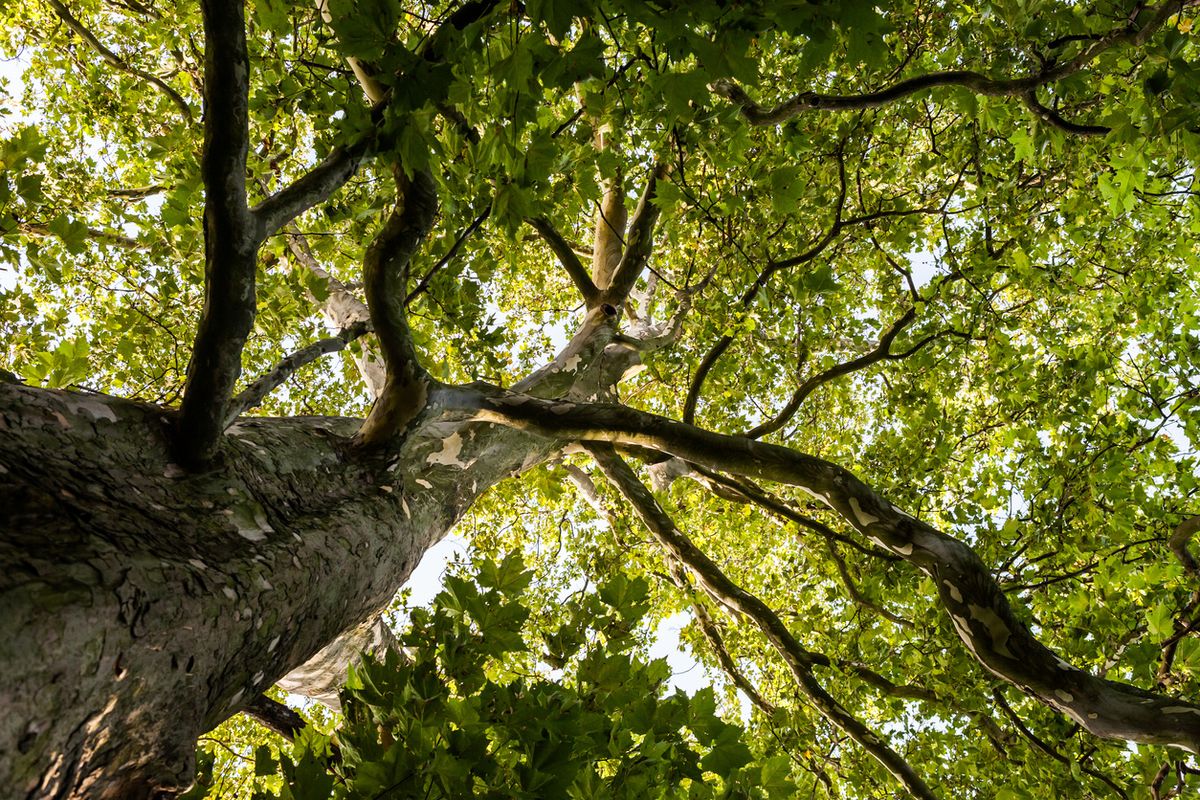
(143, 604)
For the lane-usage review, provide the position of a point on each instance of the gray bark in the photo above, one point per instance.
(143, 604)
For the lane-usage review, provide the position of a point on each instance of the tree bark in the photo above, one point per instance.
(143, 604)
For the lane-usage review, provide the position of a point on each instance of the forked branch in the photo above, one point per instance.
(977, 606)
(883, 350)
(385, 281)
(751, 293)
(112, 58)
(1129, 34)
(639, 241)
(798, 660)
(231, 237)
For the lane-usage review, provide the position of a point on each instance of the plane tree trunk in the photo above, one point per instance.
(143, 603)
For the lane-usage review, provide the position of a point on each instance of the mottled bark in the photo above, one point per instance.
(145, 603)
(979, 610)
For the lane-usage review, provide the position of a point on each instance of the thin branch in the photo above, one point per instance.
(112, 58)
(137, 192)
(748, 297)
(747, 491)
(973, 81)
(231, 238)
(713, 636)
(569, 260)
(882, 351)
(423, 284)
(96, 234)
(912, 692)
(855, 594)
(798, 660)
(341, 308)
(1040, 744)
(256, 392)
(319, 184)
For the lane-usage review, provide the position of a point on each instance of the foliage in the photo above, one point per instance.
(1040, 402)
(471, 708)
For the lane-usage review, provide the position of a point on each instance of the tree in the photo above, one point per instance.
(894, 307)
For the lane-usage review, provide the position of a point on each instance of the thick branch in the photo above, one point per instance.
(112, 58)
(1178, 543)
(385, 278)
(799, 661)
(611, 218)
(639, 242)
(231, 237)
(276, 716)
(973, 81)
(257, 391)
(570, 261)
(977, 606)
(313, 188)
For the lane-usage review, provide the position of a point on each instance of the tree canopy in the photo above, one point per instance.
(863, 337)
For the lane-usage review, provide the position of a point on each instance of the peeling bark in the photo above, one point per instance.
(979, 610)
(144, 604)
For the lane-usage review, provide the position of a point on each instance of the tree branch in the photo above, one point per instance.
(746, 491)
(231, 236)
(1041, 745)
(881, 351)
(96, 234)
(856, 594)
(339, 166)
(974, 81)
(979, 609)
(385, 278)
(713, 636)
(1053, 118)
(276, 716)
(1178, 543)
(112, 58)
(639, 241)
(423, 284)
(748, 297)
(256, 392)
(313, 188)
(341, 308)
(611, 218)
(798, 660)
(569, 260)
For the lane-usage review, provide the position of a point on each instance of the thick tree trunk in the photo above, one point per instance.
(143, 604)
